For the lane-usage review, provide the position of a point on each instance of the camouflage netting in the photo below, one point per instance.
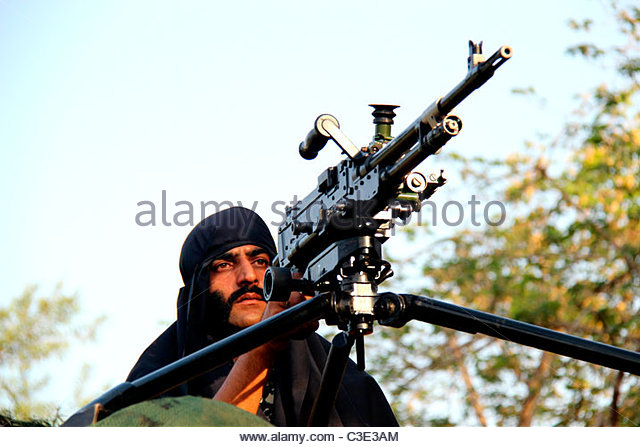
(187, 411)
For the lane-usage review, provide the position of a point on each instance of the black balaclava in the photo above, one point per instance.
(202, 317)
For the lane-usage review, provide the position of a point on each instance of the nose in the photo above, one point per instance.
(246, 273)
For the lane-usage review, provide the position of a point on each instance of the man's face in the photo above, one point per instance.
(236, 277)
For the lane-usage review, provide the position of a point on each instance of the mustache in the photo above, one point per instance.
(235, 296)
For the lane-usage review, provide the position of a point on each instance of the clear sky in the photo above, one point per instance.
(105, 104)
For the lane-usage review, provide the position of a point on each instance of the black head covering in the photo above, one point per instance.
(219, 233)
(201, 318)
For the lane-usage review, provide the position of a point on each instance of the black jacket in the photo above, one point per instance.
(296, 375)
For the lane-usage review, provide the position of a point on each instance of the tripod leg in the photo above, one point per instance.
(360, 352)
(331, 380)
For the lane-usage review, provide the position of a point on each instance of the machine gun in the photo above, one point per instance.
(333, 236)
(330, 245)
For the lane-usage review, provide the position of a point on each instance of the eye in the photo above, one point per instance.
(262, 262)
(220, 267)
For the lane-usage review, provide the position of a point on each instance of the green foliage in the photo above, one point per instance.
(33, 330)
(568, 259)
(7, 420)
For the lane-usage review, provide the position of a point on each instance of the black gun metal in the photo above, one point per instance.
(396, 310)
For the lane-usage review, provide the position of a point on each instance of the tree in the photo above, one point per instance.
(569, 260)
(33, 330)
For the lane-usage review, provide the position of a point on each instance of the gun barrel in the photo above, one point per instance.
(475, 78)
(431, 143)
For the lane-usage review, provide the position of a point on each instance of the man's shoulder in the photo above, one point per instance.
(162, 351)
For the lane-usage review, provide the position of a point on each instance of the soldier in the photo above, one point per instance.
(222, 263)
